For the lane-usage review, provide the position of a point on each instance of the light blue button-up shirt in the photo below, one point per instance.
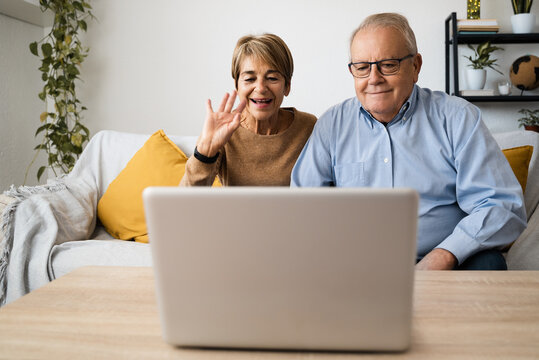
(437, 144)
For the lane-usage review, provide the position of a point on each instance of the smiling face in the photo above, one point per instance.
(262, 87)
(383, 96)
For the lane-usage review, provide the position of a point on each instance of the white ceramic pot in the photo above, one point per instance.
(476, 78)
(523, 23)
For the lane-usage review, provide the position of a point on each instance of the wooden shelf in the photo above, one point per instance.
(510, 98)
(497, 38)
(453, 39)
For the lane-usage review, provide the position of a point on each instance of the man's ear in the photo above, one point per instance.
(418, 61)
(287, 90)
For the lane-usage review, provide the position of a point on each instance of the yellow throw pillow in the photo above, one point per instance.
(159, 162)
(519, 159)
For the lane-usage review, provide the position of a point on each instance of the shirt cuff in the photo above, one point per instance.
(460, 244)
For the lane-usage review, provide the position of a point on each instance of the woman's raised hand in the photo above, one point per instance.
(220, 125)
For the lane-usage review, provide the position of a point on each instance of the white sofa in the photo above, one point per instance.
(107, 154)
(115, 151)
(524, 253)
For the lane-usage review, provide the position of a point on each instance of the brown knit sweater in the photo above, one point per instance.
(250, 159)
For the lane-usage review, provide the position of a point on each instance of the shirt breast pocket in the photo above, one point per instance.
(350, 175)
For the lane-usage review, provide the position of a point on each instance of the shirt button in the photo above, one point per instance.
(404, 118)
(386, 160)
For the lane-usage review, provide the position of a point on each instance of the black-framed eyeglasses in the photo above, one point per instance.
(385, 67)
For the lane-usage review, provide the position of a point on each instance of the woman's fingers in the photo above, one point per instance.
(230, 102)
(227, 104)
(220, 125)
(240, 107)
(235, 122)
(224, 102)
(209, 109)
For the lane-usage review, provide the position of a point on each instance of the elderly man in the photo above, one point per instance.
(396, 134)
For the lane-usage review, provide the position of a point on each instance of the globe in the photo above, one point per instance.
(524, 72)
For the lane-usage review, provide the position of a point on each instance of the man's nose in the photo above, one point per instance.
(375, 76)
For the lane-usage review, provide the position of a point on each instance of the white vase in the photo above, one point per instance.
(523, 23)
(476, 78)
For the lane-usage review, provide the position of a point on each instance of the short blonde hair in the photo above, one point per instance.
(392, 20)
(266, 47)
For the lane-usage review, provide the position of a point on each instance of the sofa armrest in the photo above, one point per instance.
(524, 253)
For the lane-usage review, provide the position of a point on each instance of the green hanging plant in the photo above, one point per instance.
(61, 57)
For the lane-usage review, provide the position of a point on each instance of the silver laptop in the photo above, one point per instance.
(281, 268)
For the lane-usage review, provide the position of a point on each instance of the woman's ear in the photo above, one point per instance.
(287, 90)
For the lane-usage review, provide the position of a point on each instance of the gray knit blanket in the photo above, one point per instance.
(40, 218)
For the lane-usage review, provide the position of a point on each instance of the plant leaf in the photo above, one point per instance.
(43, 116)
(58, 34)
(33, 48)
(83, 25)
(40, 129)
(40, 172)
(77, 5)
(481, 47)
(46, 48)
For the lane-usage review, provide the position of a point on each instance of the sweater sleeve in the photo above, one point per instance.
(198, 173)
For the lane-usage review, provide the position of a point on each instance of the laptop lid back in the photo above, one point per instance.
(281, 268)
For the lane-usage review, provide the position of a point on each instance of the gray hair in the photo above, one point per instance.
(393, 20)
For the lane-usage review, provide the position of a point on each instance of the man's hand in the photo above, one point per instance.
(437, 259)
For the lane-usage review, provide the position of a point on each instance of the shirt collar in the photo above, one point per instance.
(404, 114)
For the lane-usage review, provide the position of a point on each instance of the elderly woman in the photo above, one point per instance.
(258, 142)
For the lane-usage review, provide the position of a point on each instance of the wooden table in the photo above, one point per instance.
(110, 312)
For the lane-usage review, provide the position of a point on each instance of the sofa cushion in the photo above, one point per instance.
(519, 159)
(513, 139)
(71, 255)
(158, 163)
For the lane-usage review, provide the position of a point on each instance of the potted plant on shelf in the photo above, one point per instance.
(477, 75)
(522, 21)
(61, 57)
(530, 120)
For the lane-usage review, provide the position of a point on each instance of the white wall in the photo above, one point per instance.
(153, 64)
(20, 82)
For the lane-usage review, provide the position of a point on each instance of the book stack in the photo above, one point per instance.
(477, 26)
